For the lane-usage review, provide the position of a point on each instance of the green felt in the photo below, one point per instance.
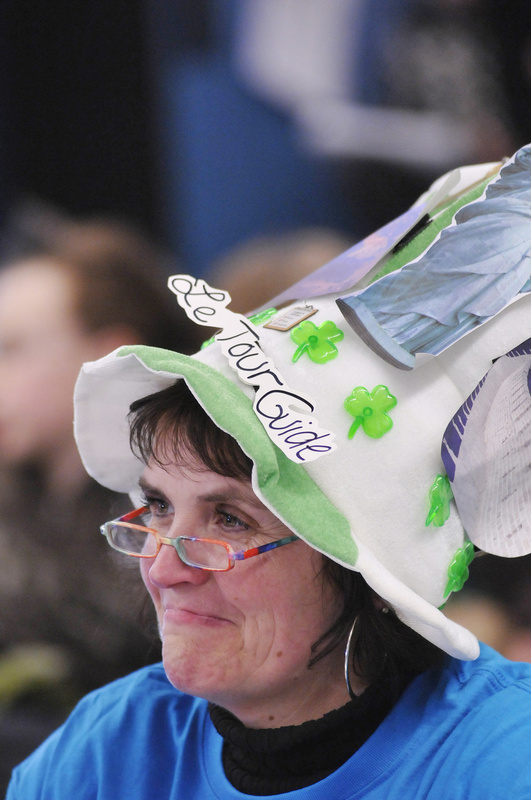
(427, 236)
(285, 485)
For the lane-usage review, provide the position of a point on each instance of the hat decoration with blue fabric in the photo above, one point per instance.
(343, 400)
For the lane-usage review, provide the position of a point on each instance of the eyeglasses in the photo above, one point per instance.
(211, 554)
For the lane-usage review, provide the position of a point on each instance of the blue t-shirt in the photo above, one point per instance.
(462, 732)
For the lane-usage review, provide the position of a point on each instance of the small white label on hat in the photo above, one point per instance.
(287, 321)
(295, 432)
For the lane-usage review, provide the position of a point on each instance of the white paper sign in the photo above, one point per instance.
(285, 414)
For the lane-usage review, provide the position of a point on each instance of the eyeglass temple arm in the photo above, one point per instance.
(254, 551)
(132, 514)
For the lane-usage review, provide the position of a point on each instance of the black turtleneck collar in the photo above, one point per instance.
(276, 760)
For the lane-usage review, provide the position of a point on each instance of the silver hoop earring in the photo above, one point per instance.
(351, 642)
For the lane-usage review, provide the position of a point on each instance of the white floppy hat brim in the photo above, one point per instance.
(104, 392)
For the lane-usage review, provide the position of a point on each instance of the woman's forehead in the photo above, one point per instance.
(201, 480)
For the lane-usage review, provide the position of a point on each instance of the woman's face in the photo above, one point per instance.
(242, 638)
(42, 345)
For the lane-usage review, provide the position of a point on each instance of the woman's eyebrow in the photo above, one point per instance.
(148, 488)
(234, 496)
(228, 496)
(231, 495)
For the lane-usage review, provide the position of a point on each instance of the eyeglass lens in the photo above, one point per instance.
(130, 540)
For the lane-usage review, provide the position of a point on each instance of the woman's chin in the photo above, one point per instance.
(192, 667)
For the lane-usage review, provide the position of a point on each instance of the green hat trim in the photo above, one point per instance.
(285, 486)
(440, 220)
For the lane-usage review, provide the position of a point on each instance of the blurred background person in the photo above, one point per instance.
(80, 289)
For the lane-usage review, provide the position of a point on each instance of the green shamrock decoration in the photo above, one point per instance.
(318, 342)
(458, 569)
(207, 342)
(369, 410)
(440, 496)
(263, 316)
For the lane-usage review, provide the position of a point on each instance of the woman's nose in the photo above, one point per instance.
(168, 569)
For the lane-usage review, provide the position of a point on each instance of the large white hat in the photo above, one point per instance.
(346, 447)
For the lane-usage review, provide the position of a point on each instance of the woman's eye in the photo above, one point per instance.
(156, 506)
(232, 521)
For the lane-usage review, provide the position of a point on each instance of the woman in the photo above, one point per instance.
(323, 666)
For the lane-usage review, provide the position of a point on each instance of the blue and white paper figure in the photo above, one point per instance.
(350, 267)
(473, 270)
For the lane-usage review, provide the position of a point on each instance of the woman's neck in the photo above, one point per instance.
(271, 761)
(323, 690)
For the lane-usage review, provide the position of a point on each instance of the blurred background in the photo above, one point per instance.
(250, 140)
(209, 122)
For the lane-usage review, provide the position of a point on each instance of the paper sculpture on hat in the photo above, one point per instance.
(474, 269)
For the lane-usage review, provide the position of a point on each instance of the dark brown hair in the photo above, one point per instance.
(170, 424)
(118, 277)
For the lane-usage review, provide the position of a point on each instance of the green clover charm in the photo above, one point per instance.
(458, 569)
(318, 342)
(369, 410)
(440, 496)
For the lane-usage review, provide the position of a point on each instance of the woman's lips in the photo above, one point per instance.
(185, 616)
